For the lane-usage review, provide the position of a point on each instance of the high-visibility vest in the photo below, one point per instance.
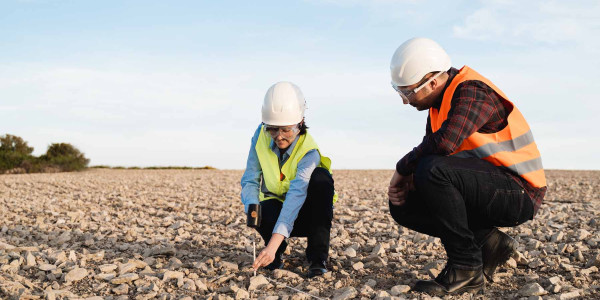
(512, 147)
(277, 180)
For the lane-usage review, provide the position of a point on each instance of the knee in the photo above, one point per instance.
(321, 180)
(430, 168)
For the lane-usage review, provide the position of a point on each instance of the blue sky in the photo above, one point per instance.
(144, 83)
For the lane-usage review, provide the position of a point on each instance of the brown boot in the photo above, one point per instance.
(452, 281)
(496, 250)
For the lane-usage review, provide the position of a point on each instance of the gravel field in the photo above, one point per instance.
(176, 234)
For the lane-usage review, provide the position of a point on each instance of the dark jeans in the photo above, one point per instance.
(460, 200)
(314, 218)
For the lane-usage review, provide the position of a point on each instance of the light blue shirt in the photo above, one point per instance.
(296, 195)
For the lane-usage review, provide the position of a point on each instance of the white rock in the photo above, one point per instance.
(76, 275)
(532, 289)
(399, 289)
(125, 278)
(257, 282)
(350, 252)
(345, 293)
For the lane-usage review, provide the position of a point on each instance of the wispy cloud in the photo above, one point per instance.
(516, 22)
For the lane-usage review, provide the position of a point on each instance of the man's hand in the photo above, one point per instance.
(399, 187)
(267, 255)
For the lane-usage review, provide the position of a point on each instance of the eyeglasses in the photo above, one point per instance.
(406, 93)
(283, 130)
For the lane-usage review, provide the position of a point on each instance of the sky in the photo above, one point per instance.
(160, 83)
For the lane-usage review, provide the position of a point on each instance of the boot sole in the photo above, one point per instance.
(508, 252)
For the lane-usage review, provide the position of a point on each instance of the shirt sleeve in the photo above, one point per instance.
(473, 103)
(251, 178)
(296, 195)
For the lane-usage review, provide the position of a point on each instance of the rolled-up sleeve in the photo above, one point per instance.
(296, 195)
(251, 178)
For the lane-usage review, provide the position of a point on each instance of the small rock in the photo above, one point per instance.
(126, 268)
(512, 263)
(350, 252)
(30, 259)
(47, 267)
(345, 293)
(358, 266)
(168, 275)
(399, 289)
(76, 275)
(569, 295)
(257, 282)
(242, 294)
(121, 289)
(382, 295)
(107, 268)
(378, 250)
(229, 266)
(532, 289)
(125, 278)
(280, 273)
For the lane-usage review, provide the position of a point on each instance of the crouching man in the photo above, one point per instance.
(477, 168)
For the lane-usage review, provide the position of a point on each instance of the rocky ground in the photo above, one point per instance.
(173, 234)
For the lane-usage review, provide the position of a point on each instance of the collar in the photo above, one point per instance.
(451, 74)
(289, 150)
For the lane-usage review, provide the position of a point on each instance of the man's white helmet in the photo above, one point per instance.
(284, 105)
(416, 58)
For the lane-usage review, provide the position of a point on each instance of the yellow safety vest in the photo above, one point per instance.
(277, 180)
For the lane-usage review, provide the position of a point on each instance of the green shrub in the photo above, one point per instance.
(66, 157)
(15, 157)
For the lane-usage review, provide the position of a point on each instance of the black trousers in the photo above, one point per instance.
(460, 200)
(314, 218)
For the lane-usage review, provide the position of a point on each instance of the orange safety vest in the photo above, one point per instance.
(512, 147)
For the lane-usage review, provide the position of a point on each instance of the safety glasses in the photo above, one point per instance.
(283, 130)
(405, 94)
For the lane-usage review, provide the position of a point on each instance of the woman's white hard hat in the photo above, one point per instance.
(284, 105)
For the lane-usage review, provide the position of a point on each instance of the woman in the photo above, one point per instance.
(289, 179)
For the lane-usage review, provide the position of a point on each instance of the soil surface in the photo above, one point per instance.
(176, 234)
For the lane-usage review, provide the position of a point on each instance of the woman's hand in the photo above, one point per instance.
(267, 255)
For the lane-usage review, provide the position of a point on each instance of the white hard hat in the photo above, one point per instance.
(416, 58)
(284, 105)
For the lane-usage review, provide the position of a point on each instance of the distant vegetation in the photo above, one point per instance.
(16, 157)
(154, 168)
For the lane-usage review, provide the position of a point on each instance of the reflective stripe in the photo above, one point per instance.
(493, 148)
(527, 166)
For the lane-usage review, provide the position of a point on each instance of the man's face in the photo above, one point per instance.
(421, 94)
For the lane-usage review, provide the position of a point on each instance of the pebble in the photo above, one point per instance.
(125, 278)
(76, 274)
(532, 289)
(257, 282)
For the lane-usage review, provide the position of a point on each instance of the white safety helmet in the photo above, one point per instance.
(416, 58)
(284, 105)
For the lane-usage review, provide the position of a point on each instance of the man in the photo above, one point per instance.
(476, 169)
(291, 180)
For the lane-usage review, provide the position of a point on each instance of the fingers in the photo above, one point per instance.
(397, 196)
(263, 259)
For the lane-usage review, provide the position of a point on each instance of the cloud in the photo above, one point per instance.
(544, 22)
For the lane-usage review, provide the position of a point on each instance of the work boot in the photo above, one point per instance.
(496, 250)
(317, 268)
(452, 281)
(276, 264)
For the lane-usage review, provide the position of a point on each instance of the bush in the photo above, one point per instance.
(66, 157)
(15, 157)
